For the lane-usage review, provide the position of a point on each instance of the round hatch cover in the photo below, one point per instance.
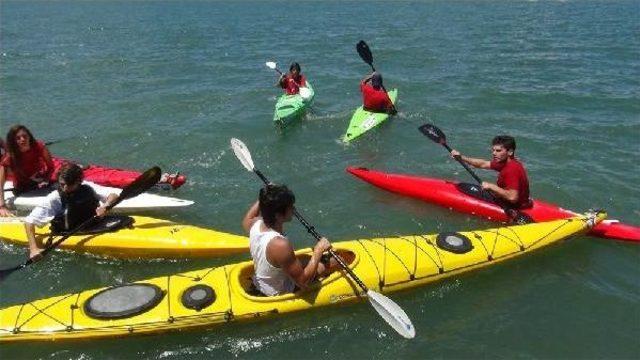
(454, 242)
(198, 297)
(123, 301)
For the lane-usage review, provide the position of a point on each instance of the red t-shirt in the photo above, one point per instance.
(290, 85)
(32, 163)
(374, 100)
(513, 176)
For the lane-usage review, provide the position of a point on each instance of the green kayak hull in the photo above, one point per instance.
(291, 107)
(363, 120)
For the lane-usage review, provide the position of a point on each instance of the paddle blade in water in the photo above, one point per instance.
(392, 314)
(433, 133)
(364, 52)
(271, 65)
(242, 153)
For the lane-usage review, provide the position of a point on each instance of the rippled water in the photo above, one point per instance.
(133, 84)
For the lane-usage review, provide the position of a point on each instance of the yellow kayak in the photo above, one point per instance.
(145, 237)
(207, 297)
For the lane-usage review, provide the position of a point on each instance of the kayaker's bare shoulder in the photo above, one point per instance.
(280, 251)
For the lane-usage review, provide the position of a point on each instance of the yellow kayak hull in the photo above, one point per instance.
(383, 264)
(148, 238)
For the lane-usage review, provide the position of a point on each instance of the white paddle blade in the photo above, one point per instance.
(242, 153)
(271, 65)
(305, 93)
(392, 314)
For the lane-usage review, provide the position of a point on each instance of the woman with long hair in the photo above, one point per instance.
(27, 162)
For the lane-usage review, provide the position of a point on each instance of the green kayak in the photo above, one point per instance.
(363, 120)
(291, 107)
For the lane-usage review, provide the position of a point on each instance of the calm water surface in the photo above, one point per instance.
(134, 84)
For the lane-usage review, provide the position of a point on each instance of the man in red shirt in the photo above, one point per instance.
(374, 98)
(512, 185)
(292, 81)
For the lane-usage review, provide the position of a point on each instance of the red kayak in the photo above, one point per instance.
(471, 199)
(115, 177)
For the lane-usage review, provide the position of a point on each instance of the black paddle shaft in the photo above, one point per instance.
(312, 230)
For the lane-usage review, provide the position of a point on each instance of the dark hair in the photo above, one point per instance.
(70, 173)
(273, 200)
(12, 144)
(294, 65)
(376, 80)
(506, 141)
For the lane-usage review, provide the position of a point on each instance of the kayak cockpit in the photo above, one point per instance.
(243, 278)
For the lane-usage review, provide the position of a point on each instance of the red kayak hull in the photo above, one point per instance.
(445, 193)
(101, 175)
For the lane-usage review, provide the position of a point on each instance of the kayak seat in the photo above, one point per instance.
(477, 192)
(246, 274)
(286, 107)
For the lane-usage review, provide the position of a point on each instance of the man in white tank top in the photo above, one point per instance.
(277, 269)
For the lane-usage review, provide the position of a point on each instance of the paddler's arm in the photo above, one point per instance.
(280, 252)
(104, 195)
(102, 210)
(250, 217)
(510, 195)
(40, 216)
(46, 155)
(281, 83)
(30, 230)
(4, 212)
(478, 163)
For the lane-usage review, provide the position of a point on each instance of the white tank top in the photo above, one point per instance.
(268, 279)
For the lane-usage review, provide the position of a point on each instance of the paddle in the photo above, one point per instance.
(304, 92)
(389, 310)
(437, 136)
(142, 183)
(367, 56)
